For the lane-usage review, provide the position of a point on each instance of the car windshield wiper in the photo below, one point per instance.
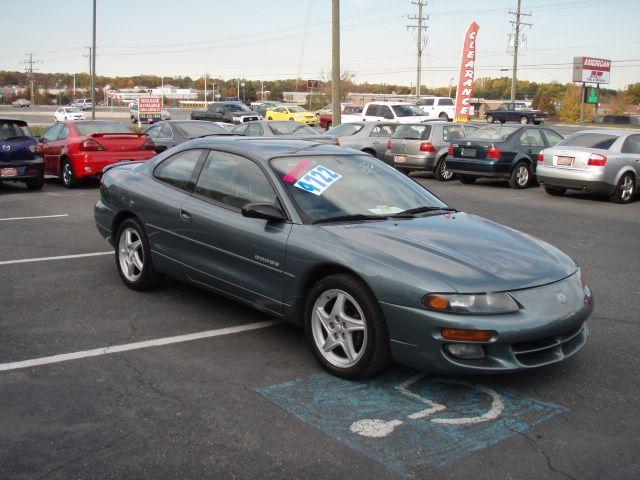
(348, 218)
(423, 209)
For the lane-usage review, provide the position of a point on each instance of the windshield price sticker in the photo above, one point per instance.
(298, 169)
(316, 181)
(385, 210)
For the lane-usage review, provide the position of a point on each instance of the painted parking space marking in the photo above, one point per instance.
(60, 257)
(34, 218)
(158, 342)
(386, 419)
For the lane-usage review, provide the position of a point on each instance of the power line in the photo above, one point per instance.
(420, 27)
(304, 38)
(29, 63)
(517, 24)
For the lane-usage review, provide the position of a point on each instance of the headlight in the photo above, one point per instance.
(481, 304)
(32, 148)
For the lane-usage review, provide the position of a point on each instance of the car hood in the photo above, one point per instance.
(467, 252)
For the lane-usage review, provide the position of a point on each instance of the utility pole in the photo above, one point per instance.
(205, 90)
(421, 43)
(29, 63)
(517, 23)
(93, 65)
(335, 63)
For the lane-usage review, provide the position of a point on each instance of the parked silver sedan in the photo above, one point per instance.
(598, 161)
(368, 137)
(425, 146)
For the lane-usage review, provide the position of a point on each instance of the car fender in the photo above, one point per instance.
(519, 158)
(627, 169)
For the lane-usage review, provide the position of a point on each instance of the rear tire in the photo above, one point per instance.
(555, 191)
(133, 256)
(466, 179)
(625, 189)
(69, 179)
(524, 120)
(441, 173)
(35, 183)
(341, 314)
(490, 119)
(521, 176)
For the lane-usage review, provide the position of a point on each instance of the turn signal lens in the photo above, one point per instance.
(466, 335)
(479, 304)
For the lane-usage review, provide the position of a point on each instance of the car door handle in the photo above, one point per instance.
(185, 216)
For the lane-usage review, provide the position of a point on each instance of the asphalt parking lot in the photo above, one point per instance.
(248, 400)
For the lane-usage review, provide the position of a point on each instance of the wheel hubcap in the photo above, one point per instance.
(338, 327)
(130, 254)
(522, 175)
(66, 174)
(626, 189)
(444, 173)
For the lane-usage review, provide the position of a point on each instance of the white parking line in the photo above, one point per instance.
(61, 257)
(33, 218)
(65, 357)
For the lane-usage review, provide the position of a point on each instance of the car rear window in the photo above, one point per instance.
(10, 130)
(452, 132)
(412, 132)
(199, 129)
(345, 129)
(601, 141)
(407, 111)
(491, 133)
(290, 128)
(445, 101)
(89, 128)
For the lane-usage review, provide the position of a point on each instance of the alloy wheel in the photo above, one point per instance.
(67, 174)
(339, 328)
(445, 173)
(626, 188)
(130, 254)
(522, 175)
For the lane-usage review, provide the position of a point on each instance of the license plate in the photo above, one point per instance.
(468, 152)
(565, 161)
(8, 172)
(401, 159)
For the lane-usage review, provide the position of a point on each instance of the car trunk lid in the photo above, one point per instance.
(17, 149)
(121, 142)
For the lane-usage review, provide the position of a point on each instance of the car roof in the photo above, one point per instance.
(14, 120)
(265, 148)
(610, 131)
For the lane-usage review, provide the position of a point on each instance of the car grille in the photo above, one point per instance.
(550, 349)
(249, 119)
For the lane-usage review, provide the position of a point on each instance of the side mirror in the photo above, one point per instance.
(266, 211)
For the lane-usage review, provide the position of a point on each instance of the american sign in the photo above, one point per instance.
(591, 70)
(467, 72)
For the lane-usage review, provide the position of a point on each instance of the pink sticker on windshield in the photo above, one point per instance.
(297, 171)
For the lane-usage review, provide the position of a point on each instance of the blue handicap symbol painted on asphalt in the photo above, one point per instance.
(409, 421)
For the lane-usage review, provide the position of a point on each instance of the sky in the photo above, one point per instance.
(269, 39)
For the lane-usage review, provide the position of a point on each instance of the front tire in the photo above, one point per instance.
(625, 189)
(345, 328)
(521, 176)
(133, 256)
(444, 116)
(524, 120)
(441, 173)
(490, 119)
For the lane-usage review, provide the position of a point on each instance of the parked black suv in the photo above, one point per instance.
(230, 112)
(515, 112)
(616, 120)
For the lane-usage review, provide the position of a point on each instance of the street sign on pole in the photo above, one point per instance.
(149, 109)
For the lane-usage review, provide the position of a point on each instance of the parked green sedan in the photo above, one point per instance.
(369, 262)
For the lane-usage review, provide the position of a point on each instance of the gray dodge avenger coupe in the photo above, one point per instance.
(369, 262)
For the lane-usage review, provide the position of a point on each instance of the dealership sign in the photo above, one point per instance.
(467, 72)
(591, 70)
(149, 107)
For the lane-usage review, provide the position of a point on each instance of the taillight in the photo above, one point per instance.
(389, 144)
(90, 145)
(597, 160)
(336, 142)
(148, 145)
(450, 152)
(493, 152)
(427, 147)
(541, 157)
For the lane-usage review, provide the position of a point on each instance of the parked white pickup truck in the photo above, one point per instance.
(438, 107)
(389, 112)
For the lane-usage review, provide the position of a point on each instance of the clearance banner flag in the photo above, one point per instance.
(467, 72)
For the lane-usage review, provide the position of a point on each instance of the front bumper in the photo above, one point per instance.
(92, 164)
(586, 180)
(542, 332)
(25, 169)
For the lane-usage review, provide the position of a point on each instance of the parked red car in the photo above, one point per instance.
(77, 150)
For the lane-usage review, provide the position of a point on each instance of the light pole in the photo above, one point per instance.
(93, 66)
(335, 63)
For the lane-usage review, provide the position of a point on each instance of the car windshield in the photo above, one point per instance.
(9, 130)
(89, 128)
(237, 107)
(345, 129)
(491, 133)
(330, 186)
(199, 129)
(291, 128)
(72, 110)
(296, 109)
(407, 111)
(412, 132)
(589, 140)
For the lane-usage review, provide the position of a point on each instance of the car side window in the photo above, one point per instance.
(255, 130)
(373, 111)
(531, 138)
(382, 131)
(233, 181)
(240, 130)
(51, 135)
(386, 112)
(64, 133)
(553, 138)
(631, 145)
(426, 103)
(153, 132)
(177, 170)
(165, 132)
